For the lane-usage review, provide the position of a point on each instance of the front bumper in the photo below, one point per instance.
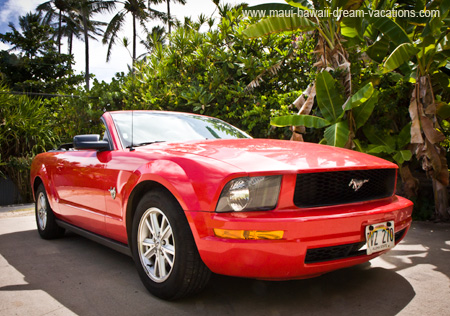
(303, 229)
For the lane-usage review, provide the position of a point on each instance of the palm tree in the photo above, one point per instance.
(34, 37)
(169, 17)
(156, 37)
(68, 22)
(139, 12)
(85, 10)
(62, 11)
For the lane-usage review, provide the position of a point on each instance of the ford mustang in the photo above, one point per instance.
(186, 195)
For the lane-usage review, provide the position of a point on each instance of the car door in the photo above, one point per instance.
(80, 187)
(79, 180)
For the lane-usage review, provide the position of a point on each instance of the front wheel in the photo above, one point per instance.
(45, 218)
(164, 250)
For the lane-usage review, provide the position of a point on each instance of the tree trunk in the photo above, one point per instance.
(441, 201)
(59, 31)
(70, 44)
(69, 48)
(427, 138)
(169, 21)
(86, 45)
(410, 185)
(134, 41)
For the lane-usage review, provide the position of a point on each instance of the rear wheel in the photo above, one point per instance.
(164, 250)
(45, 218)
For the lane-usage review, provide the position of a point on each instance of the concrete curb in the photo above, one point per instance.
(17, 208)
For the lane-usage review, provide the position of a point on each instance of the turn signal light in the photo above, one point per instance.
(249, 234)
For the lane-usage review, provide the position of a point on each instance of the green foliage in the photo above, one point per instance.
(335, 113)
(37, 67)
(279, 24)
(382, 143)
(329, 100)
(81, 114)
(141, 13)
(309, 121)
(399, 56)
(33, 39)
(26, 128)
(210, 73)
(44, 74)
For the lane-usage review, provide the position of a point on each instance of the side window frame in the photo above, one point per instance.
(107, 135)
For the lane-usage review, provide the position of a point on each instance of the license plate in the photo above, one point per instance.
(380, 237)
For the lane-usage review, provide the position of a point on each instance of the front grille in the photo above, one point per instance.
(334, 253)
(341, 187)
(341, 251)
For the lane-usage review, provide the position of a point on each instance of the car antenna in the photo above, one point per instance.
(132, 119)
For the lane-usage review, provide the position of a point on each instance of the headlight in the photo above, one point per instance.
(250, 194)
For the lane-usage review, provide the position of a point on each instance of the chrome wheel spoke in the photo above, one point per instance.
(149, 226)
(169, 249)
(150, 253)
(168, 256)
(151, 249)
(44, 219)
(167, 232)
(161, 265)
(148, 242)
(154, 224)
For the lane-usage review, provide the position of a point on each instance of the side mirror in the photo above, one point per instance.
(91, 141)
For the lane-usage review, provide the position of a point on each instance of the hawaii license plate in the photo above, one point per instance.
(380, 237)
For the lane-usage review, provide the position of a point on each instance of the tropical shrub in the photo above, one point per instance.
(26, 128)
(213, 73)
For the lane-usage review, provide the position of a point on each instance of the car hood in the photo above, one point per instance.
(266, 155)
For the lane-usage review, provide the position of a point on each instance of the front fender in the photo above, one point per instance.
(169, 175)
(194, 182)
(40, 173)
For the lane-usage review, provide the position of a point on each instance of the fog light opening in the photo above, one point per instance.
(249, 234)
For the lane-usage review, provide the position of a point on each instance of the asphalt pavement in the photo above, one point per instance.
(75, 276)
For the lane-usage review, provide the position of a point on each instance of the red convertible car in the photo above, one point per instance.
(187, 195)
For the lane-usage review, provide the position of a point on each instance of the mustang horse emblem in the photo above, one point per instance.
(357, 184)
(113, 193)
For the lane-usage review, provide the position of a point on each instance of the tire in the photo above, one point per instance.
(164, 249)
(45, 218)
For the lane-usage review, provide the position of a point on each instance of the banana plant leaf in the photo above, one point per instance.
(378, 138)
(401, 156)
(359, 97)
(352, 27)
(378, 50)
(399, 56)
(362, 113)
(299, 120)
(337, 134)
(380, 149)
(404, 137)
(388, 27)
(264, 10)
(302, 4)
(272, 25)
(329, 100)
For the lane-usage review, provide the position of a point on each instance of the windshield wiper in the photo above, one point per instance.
(146, 143)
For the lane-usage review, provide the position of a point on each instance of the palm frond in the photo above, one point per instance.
(112, 31)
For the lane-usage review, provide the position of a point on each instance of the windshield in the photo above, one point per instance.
(151, 127)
